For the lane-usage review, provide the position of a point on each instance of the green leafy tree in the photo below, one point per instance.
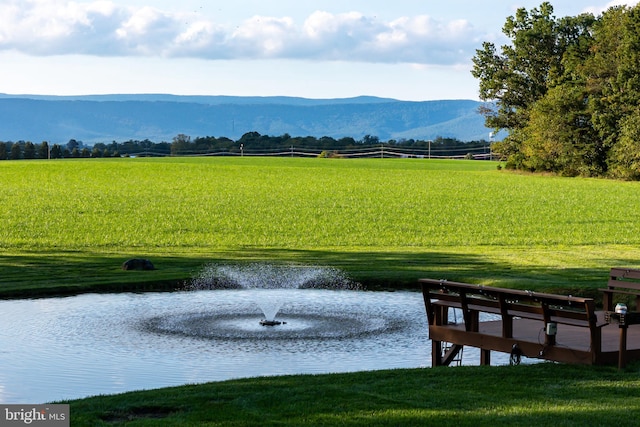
(29, 151)
(600, 74)
(56, 151)
(250, 138)
(370, 140)
(559, 135)
(3, 151)
(181, 144)
(625, 155)
(513, 78)
(74, 144)
(100, 146)
(544, 52)
(612, 81)
(16, 152)
(43, 150)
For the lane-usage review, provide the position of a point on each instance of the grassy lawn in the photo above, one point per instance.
(68, 225)
(526, 395)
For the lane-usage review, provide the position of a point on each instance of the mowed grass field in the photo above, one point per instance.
(68, 225)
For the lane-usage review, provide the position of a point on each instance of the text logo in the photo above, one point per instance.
(34, 415)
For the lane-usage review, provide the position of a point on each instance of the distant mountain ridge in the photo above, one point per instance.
(207, 99)
(160, 117)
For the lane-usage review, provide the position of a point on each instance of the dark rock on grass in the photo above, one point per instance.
(138, 264)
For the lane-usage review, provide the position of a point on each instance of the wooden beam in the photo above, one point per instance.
(436, 353)
(451, 354)
(485, 357)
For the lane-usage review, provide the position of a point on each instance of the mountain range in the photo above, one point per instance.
(160, 117)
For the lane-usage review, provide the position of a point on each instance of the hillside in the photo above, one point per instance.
(106, 118)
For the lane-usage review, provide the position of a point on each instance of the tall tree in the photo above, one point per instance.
(29, 151)
(612, 80)
(181, 144)
(43, 150)
(514, 78)
(600, 73)
(16, 152)
(624, 158)
(73, 144)
(56, 151)
(559, 135)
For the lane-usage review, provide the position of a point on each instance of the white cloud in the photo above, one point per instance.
(41, 27)
(103, 28)
(146, 31)
(262, 37)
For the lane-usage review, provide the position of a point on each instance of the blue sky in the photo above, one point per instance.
(404, 49)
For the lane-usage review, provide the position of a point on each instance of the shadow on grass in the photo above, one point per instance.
(465, 396)
(30, 274)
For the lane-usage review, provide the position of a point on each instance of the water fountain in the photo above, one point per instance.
(268, 277)
(309, 295)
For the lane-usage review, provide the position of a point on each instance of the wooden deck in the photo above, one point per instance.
(543, 326)
(572, 339)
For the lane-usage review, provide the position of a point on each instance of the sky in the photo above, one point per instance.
(414, 50)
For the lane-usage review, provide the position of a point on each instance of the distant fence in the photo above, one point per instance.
(383, 151)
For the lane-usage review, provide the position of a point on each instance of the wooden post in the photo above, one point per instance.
(549, 339)
(436, 353)
(474, 318)
(507, 319)
(485, 357)
(622, 355)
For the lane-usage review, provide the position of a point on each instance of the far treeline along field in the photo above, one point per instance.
(68, 225)
(251, 143)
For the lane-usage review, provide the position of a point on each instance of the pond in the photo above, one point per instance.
(73, 347)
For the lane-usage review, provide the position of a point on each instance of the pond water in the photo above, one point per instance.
(73, 347)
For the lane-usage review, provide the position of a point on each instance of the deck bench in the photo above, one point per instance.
(536, 325)
(623, 284)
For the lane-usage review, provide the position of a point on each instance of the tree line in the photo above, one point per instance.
(249, 143)
(567, 91)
